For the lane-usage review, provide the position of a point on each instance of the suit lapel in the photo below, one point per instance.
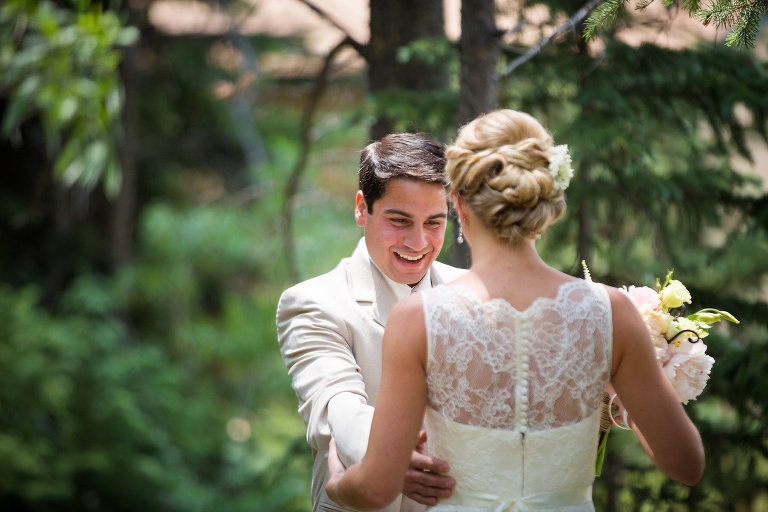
(367, 284)
(434, 275)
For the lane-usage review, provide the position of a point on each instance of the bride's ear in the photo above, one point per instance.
(459, 206)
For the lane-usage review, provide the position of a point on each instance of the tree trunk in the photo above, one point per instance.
(124, 205)
(479, 58)
(394, 24)
(585, 235)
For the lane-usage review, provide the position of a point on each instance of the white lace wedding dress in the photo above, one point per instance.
(514, 396)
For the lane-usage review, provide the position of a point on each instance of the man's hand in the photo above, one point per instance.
(423, 482)
(336, 470)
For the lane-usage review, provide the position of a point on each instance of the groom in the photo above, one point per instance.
(330, 328)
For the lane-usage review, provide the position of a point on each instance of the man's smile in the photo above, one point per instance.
(410, 258)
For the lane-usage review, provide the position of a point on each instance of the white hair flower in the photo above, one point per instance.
(560, 166)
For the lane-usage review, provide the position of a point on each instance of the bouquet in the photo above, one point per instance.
(677, 341)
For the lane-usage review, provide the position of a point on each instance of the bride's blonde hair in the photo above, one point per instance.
(499, 167)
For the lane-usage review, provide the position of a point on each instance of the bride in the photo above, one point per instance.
(506, 366)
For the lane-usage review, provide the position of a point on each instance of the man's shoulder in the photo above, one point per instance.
(323, 284)
(448, 273)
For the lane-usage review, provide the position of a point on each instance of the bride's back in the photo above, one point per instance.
(518, 354)
(493, 365)
(514, 395)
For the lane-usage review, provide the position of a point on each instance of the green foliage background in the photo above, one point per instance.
(158, 385)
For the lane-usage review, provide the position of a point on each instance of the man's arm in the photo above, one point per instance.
(316, 350)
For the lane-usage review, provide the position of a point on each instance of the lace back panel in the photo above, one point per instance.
(493, 366)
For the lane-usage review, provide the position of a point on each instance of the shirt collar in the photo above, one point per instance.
(403, 290)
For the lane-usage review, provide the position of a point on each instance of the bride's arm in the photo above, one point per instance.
(656, 414)
(397, 418)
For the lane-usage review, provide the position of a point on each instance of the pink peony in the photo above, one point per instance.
(688, 368)
(644, 298)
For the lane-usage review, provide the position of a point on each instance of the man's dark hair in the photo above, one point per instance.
(400, 155)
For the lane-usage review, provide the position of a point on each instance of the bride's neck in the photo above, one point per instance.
(492, 255)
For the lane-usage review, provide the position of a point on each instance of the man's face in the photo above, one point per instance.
(404, 234)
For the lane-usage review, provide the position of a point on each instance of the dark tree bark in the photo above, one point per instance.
(479, 57)
(124, 205)
(585, 235)
(292, 187)
(396, 23)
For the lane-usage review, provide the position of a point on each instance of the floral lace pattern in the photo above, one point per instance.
(475, 363)
(514, 396)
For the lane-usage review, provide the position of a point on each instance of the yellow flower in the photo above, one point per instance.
(674, 295)
(683, 324)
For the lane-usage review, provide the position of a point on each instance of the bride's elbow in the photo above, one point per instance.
(695, 472)
(688, 470)
(690, 476)
(377, 497)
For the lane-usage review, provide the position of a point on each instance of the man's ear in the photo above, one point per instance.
(361, 209)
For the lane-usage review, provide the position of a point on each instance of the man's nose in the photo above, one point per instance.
(416, 238)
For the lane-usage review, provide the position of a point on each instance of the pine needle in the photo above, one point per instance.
(603, 17)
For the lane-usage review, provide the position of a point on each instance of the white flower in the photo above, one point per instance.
(660, 345)
(560, 166)
(688, 368)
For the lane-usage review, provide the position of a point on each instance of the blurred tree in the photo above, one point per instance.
(154, 387)
(653, 133)
(395, 25)
(61, 64)
(743, 15)
(479, 54)
(157, 363)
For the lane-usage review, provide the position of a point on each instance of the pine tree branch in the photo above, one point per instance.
(294, 179)
(574, 20)
(361, 48)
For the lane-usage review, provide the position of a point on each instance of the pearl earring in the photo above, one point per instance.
(460, 237)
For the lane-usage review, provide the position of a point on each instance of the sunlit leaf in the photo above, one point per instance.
(127, 36)
(67, 109)
(14, 114)
(112, 177)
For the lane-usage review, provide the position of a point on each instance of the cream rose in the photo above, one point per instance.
(674, 295)
(560, 166)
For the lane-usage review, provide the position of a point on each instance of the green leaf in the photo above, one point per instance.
(114, 101)
(95, 160)
(112, 177)
(668, 278)
(17, 108)
(73, 171)
(71, 151)
(67, 109)
(726, 315)
(127, 36)
(601, 447)
(705, 317)
(29, 86)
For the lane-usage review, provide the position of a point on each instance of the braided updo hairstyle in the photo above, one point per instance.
(499, 167)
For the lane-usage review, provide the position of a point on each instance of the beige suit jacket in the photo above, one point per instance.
(330, 330)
